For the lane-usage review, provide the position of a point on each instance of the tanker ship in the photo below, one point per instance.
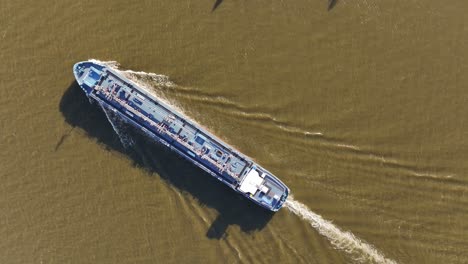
(161, 122)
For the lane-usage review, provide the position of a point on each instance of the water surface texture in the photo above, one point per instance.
(359, 107)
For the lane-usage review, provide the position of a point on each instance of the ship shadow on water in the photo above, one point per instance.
(232, 208)
(216, 5)
(332, 4)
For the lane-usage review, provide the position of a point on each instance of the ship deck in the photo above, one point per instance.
(165, 124)
(171, 127)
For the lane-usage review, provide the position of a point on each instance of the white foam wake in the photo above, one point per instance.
(137, 76)
(359, 250)
(159, 79)
(112, 64)
(150, 82)
(153, 82)
(118, 126)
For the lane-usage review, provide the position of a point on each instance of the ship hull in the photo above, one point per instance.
(166, 126)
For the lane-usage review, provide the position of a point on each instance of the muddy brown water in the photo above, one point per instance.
(361, 110)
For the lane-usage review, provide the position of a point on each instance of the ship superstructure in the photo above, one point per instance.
(164, 124)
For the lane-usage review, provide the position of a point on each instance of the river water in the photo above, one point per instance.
(360, 110)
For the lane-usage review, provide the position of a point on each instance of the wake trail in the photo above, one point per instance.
(359, 250)
(159, 79)
(158, 83)
(146, 79)
(119, 128)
